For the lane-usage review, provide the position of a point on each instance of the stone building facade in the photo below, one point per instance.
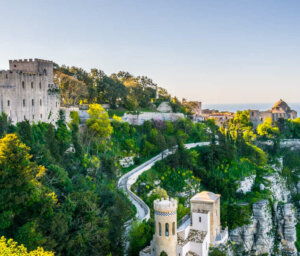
(280, 110)
(210, 202)
(194, 235)
(27, 91)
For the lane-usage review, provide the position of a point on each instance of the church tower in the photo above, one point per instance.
(165, 237)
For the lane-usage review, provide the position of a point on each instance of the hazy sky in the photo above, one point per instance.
(230, 51)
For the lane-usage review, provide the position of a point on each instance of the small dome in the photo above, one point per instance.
(281, 104)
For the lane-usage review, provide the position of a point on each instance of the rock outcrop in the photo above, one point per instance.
(257, 237)
(286, 222)
(273, 223)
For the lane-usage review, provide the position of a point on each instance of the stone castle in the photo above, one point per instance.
(27, 91)
(280, 110)
(194, 235)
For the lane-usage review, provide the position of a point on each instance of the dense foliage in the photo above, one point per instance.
(59, 182)
(58, 192)
(121, 90)
(219, 167)
(11, 248)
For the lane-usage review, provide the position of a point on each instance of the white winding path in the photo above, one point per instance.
(128, 179)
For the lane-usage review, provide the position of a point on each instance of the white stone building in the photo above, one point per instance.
(280, 110)
(196, 233)
(27, 91)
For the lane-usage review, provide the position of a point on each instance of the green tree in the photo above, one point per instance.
(62, 134)
(23, 198)
(140, 235)
(131, 103)
(5, 124)
(72, 90)
(241, 124)
(11, 248)
(99, 123)
(267, 130)
(74, 126)
(163, 254)
(99, 126)
(157, 193)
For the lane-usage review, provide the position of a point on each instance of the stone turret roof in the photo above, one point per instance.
(205, 196)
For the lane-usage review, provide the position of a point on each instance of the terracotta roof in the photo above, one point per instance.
(205, 196)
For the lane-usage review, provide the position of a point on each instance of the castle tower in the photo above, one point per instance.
(34, 66)
(207, 202)
(165, 237)
(28, 92)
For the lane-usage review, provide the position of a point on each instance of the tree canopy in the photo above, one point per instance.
(11, 248)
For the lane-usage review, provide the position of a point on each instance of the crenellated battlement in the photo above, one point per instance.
(28, 91)
(165, 205)
(33, 66)
(21, 61)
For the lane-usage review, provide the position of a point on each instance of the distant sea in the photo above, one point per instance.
(236, 107)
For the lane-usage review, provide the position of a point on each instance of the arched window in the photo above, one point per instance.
(32, 102)
(173, 228)
(31, 85)
(167, 229)
(40, 102)
(45, 72)
(40, 84)
(159, 229)
(23, 84)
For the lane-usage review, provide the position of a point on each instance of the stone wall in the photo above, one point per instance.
(214, 209)
(141, 118)
(29, 94)
(164, 107)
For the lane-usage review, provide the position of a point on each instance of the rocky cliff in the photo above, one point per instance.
(272, 230)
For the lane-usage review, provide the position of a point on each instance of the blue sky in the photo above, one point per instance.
(230, 51)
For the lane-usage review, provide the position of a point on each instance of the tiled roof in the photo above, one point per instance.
(205, 196)
(281, 104)
(189, 253)
(147, 249)
(195, 236)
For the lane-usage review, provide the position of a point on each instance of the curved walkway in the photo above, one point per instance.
(128, 179)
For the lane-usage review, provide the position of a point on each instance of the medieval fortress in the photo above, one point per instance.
(27, 91)
(194, 235)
